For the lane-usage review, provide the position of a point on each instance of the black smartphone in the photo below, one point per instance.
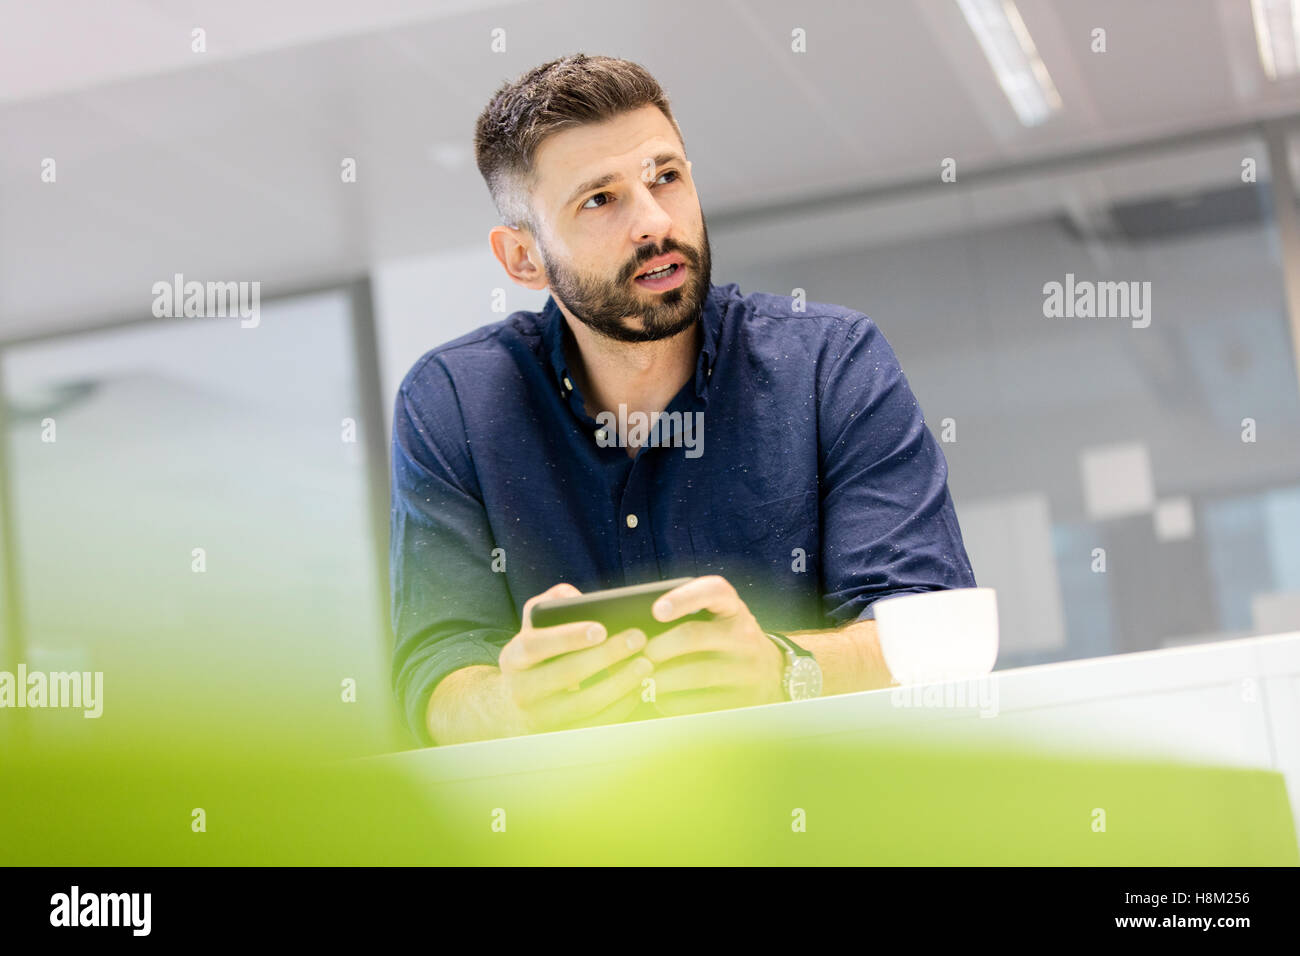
(619, 609)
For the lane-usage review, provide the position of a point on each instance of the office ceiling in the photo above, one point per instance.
(226, 163)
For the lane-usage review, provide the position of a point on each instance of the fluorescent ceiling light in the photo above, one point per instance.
(1277, 34)
(1011, 52)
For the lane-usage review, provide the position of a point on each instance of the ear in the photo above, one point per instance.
(517, 253)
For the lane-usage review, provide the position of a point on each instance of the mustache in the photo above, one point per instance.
(686, 252)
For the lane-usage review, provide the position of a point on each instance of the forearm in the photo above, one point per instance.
(849, 657)
(471, 704)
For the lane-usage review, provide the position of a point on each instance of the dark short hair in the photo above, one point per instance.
(571, 91)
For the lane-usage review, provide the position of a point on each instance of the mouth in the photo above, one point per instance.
(662, 278)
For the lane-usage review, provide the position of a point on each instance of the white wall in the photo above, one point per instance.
(425, 301)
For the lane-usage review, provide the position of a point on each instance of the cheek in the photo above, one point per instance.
(687, 214)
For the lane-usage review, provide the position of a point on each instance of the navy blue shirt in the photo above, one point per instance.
(814, 487)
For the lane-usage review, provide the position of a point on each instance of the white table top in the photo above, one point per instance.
(1235, 703)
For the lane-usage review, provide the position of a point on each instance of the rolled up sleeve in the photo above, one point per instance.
(449, 608)
(889, 524)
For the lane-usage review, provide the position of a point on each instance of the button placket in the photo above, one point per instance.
(636, 543)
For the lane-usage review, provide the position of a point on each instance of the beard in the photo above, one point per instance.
(612, 309)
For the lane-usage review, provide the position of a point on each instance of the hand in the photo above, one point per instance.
(711, 665)
(541, 668)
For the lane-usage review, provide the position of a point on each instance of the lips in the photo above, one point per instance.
(672, 258)
(663, 281)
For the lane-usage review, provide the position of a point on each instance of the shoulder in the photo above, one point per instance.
(430, 428)
(472, 360)
(823, 330)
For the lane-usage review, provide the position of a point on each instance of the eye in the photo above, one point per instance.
(667, 172)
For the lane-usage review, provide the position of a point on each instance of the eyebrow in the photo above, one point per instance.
(600, 182)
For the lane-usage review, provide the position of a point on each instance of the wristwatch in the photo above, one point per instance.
(802, 678)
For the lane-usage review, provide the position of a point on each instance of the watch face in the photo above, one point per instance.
(805, 679)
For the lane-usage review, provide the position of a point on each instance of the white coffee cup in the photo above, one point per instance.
(939, 635)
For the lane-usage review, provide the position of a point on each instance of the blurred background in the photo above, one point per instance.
(215, 501)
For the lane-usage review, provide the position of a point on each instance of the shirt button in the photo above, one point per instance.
(631, 521)
(568, 386)
(600, 434)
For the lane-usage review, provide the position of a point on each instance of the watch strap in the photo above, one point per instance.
(793, 673)
(788, 659)
(784, 641)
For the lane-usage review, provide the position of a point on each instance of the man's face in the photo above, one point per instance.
(611, 197)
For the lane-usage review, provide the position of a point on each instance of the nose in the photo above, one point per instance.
(650, 222)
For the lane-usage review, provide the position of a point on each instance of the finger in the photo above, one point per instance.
(697, 702)
(535, 645)
(705, 674)
(676, 662)
(565, 708)
(561, 673)
(616, 712)
(691, 637)
(561, 590)
(712, 593)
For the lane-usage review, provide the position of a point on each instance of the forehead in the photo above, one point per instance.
(572, 156)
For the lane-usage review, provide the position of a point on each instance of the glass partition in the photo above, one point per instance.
(1104, 352)
(191, 521)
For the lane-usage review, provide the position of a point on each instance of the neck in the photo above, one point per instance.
(644, 376)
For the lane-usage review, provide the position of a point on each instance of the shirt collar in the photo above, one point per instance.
(555, 331)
